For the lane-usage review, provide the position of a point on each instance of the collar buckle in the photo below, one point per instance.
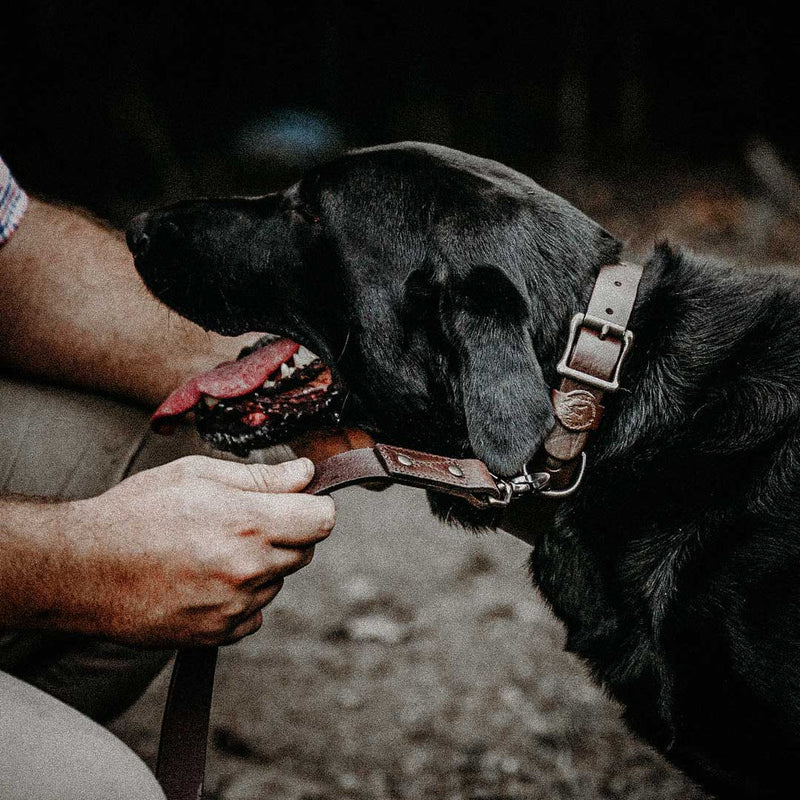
(604, 327)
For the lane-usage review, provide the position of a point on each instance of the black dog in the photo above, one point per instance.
(439, 287)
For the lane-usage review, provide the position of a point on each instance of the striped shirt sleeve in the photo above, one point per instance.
(13, 202)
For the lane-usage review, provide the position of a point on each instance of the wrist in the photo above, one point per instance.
(34, 551)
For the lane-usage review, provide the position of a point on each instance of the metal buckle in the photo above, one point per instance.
(524, 483)
(557, 493)
(604, 327)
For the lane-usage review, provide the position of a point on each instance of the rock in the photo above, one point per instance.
(496, 612)
(509, 765)
(360, 589)
(226, 740)
(349, 699)
(477, 564)
(348, 782)
(512, 696)
(376, 628)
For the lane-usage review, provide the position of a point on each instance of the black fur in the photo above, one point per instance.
(442, 285)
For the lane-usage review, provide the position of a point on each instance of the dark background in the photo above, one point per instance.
(119, 106)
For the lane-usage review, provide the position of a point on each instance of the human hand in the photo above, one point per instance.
(190, 552)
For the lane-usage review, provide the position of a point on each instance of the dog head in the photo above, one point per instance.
(437, 287)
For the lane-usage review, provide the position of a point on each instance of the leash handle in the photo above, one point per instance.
(181, 763)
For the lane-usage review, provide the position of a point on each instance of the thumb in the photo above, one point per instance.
(289, 476)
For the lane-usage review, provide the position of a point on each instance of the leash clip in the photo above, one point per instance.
(522, 484)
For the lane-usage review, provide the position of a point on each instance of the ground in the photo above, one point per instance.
(411, 660)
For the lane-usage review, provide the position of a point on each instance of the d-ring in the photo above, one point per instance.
(559, 493)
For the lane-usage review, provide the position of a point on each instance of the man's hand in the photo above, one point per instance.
(183, 554)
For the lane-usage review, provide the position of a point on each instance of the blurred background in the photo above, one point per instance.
(120, 106)
(411, 660)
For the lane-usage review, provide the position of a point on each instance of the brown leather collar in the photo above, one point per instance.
(598, 342)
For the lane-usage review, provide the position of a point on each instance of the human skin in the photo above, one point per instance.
(74, 311)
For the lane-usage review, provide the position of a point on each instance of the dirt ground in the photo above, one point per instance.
(415, 661)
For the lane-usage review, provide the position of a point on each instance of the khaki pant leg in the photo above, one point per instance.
(48, 751)
(56, 442)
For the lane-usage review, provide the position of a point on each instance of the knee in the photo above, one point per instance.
(112, 772)
(94, 767)
(48, 751)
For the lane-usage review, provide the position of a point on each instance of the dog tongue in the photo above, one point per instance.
(229, 379)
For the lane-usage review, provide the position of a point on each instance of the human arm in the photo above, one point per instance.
(183, 554)
(186, 553)
(73, 310)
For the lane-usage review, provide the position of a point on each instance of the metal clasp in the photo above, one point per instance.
(530, 483)
(604, 327)
(524, 483)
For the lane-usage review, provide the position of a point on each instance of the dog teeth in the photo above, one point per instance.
(285, 371)
(303, 357)
(210, 402)
(268, 384)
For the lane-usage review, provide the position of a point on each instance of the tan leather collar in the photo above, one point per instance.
(599, 341)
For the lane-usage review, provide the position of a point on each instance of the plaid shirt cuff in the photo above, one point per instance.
(13, 202)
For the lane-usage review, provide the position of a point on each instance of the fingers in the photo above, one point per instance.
(251, 620)
(268, 500)
(290, 520)
(263, 596)
(290, 476)
(278, 563)
(245, 628)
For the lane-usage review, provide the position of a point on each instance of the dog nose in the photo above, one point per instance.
(135, 234)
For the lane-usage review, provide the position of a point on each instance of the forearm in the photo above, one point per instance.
(74, 310)
(33, 542)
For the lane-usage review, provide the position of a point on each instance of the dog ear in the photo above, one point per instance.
(506, 402)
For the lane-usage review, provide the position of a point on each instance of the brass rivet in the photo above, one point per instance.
(454, 470)
(404, 460)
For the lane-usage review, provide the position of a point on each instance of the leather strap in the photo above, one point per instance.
(598, 343)
(465, 478)
(180, 768)
(181, 763)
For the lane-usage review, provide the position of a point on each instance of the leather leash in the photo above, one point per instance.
(598, 343)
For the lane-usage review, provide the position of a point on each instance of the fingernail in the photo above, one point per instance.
(299, 468)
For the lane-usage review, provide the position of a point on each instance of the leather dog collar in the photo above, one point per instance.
(598, 342)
